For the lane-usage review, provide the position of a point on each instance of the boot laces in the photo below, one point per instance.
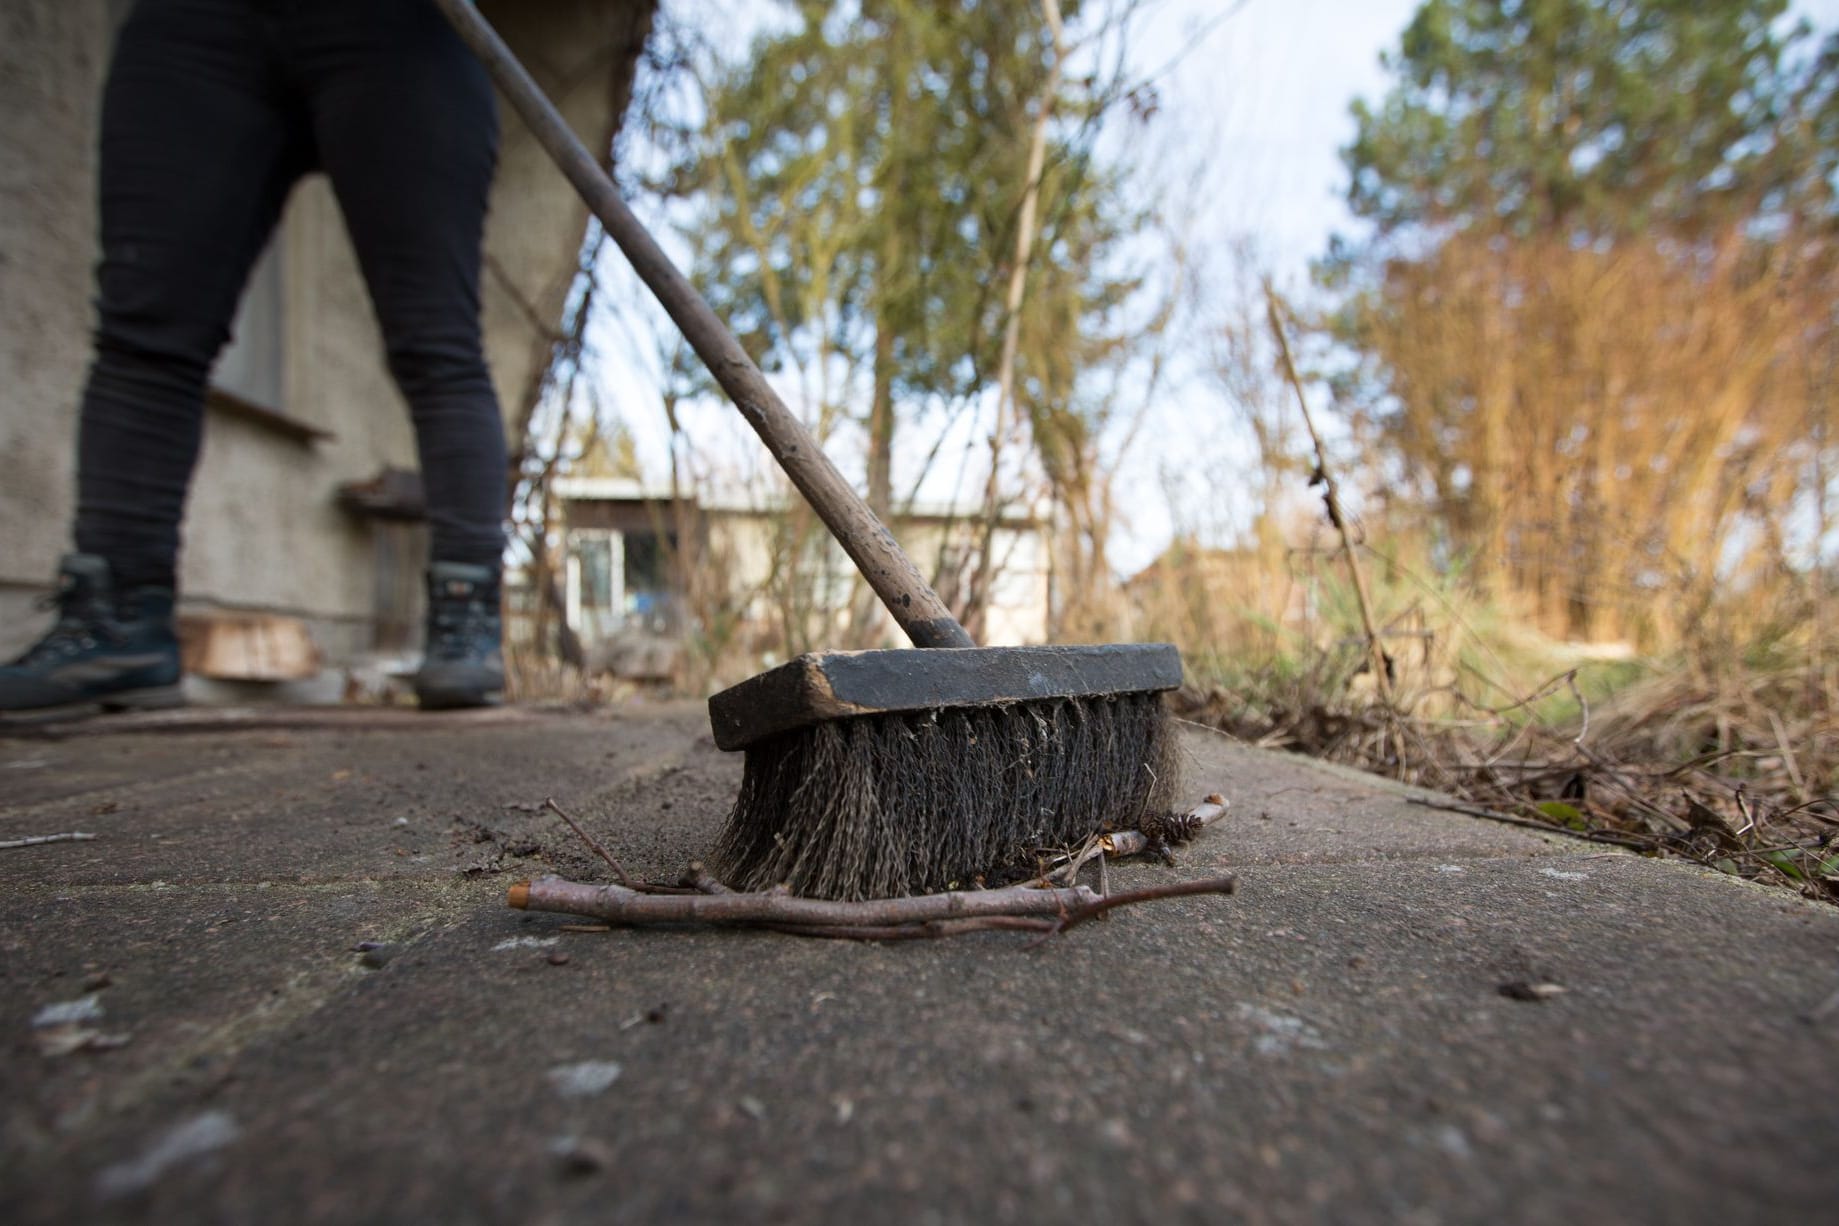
(459, 621)
(83, 622)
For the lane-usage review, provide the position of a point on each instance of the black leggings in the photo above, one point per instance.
(213, 110)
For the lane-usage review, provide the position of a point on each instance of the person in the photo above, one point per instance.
(212, 111)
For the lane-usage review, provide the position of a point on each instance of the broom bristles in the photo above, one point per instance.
(882, 806)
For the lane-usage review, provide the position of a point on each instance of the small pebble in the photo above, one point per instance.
(69, 1012)
(577, 1156)
(585, 1079)
(557, 958)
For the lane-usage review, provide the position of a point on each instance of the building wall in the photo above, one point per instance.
(742, 547)
(52, 56)
(262, 528)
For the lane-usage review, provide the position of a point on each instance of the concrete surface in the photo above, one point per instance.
(1331, 1044)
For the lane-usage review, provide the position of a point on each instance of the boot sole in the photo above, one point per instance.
(151, 698)
(455, 700)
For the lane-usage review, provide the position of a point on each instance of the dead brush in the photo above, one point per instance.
(1736, 771)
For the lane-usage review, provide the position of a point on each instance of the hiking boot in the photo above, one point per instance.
(463, 665)
(108, 651)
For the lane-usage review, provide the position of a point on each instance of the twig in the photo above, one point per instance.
(1227, 884)
(1812, 809)
(1331, 498)
(1204, 814)
(618, 869)
(1744, 811)
(1583, 706)
(699, 878)
(1612, 773)
(1215, 729)
(1015, 908)
(1121, 843)
(1594, 836)
(1777, 850)
(34, 840)
(1789, 761)
(1075, 862)
(624, 905)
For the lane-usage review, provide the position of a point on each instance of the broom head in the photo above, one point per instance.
(878, 774)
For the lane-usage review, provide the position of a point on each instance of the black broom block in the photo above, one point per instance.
(876, 774)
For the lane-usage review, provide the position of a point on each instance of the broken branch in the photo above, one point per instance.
(1120, 843)
(1227, 884)
(628, 906)
(1508, 819)
(699, 878)
(1331, 498)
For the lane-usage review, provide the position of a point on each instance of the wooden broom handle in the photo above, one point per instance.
(899, 583)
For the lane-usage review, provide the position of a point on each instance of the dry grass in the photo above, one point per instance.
(1724, 755)
(1746, 786)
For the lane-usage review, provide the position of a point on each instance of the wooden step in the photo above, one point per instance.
(247, 647)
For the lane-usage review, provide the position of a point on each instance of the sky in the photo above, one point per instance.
(1268, 87)
(1264, 87)
(1255, 99)
(1272, 81)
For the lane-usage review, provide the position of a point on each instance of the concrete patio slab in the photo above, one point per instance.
(1330, 1044)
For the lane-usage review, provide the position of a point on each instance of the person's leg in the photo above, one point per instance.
(407, 129)
(407, 126)
(197, 153)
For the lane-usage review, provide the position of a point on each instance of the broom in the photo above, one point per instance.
(875, 774)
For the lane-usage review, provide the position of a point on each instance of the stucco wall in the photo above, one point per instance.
(52, 55)
(262, 529)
